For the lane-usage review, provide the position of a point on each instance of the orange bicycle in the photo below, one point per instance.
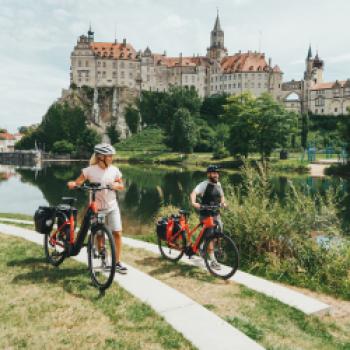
(218, 250)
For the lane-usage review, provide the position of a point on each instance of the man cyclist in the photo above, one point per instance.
(211, 193)
(102, 171)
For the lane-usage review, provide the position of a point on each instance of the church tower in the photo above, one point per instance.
(90, 35)
(217, 49)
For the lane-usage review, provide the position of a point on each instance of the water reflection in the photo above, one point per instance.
(147, 188)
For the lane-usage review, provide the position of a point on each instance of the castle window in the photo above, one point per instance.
(335, 110)
(79, 63)
(87, 63)
(104, 64)
(98, 63)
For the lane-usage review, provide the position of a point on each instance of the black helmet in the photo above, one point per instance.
(212, 168)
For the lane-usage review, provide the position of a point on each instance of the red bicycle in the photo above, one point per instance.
(175, 238)
(63, 242)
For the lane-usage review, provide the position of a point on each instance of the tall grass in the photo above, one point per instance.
(276, 237)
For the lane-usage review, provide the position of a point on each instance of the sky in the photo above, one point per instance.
(37, 37)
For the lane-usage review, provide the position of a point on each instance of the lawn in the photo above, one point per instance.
(43, 307)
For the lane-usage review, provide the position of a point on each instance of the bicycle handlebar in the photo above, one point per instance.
(94, 187)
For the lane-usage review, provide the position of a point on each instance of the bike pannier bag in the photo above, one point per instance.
(44, 218)
(161, 228)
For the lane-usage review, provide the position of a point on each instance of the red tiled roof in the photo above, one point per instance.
(245, 62)
(113, 50)
(6, 136)
(171, 62)
(328, 85)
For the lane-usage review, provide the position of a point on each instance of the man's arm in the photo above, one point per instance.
(193, 198)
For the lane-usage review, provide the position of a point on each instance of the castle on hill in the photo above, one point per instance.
(119, 66)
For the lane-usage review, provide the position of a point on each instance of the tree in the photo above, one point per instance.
(132, 118)
(62, 147)
(258, 124)
(182, 136)
(87, 140)
(212, 109)
(113, 133)
(304, 130)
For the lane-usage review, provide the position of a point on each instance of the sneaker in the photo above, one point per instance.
(215, 265)
(120, 268)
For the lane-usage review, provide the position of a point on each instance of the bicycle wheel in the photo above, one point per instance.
(226, 256)
(173, 249)
(101, 257)
(54, 253)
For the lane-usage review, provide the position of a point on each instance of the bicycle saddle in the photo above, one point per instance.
(69, 200)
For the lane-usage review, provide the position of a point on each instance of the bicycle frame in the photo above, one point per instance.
(76, 244)
(207, 223)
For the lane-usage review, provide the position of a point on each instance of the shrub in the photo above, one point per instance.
(275, 236)
(62, 147)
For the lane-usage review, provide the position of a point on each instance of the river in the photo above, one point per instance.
(148, 187)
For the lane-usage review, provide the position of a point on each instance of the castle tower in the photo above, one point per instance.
(314, 68)
(90, 35)
(217, 49)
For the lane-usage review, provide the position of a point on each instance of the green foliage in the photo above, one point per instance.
(132, 118)
(159, 108)
(149, 139)
(87, 140)
(275, 237)
(62, 147)
(304, 130)
(61, 123)
(113, 133)
(257, 124)
(205, 137)
(182, 134)
(212, 109)
(219, 151)
(2, 130)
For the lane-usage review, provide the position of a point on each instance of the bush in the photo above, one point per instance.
(275, 236)
(220, 152)
(62, 147)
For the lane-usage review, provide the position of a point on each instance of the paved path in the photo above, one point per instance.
(285, 295)
(306, 304)
(201, 327)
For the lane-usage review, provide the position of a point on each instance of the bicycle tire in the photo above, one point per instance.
(226, 254)
(109, 270)
(53, 259)
(178, 250)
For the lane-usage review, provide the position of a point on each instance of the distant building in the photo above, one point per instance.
(114, 64)
(315, 96)
(7, 141)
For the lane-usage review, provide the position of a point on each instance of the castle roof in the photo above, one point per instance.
(329, 85)
(172, 62)
(113, 50)
(246, 62)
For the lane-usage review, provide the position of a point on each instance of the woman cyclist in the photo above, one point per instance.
(102, 171)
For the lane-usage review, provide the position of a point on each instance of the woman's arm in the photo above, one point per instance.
(118, 185)
(78, 182)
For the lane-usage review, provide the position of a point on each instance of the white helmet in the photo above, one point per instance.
(104, 148)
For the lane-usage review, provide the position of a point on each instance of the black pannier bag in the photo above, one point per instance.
(44, 218)
(161, 228)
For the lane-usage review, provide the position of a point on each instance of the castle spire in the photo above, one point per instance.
(90, 34)
(217, 26)
(309, 54)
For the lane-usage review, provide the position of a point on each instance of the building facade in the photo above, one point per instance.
(313, 94)
(114, 64)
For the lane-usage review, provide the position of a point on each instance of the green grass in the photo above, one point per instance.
(150, 139)
(44, 307)
(16, 216)
(264, 319)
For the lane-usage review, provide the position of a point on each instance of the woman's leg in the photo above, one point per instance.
(118, 244)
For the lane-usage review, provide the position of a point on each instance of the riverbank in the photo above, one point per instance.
(204, 159)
